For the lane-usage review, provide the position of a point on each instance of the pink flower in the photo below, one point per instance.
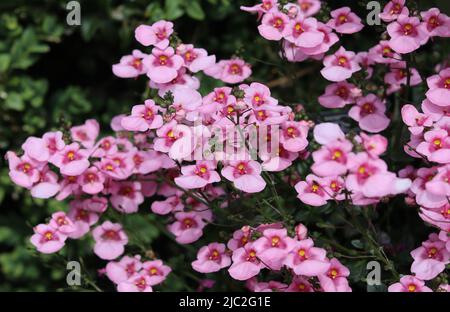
(369, 111)
(436, 146)
(263, 7)
(440, 183)
(187, 228)
(437, 23)
(245, 175)
(409, 283)
(338, 95)
(293, 136)
(301, 232)
(382, 53)
(44, 149)
(195, 59)
(143, 117)
(87, 133)
(430, 259)
(126, 196)
(398, 76)
(91, 181)
(309, 7)
(122, 270)
(157, 34)
(211, 258)
(439, 92)
(273, 247)
(118, 166)
(331, 159)
(415, 121)
(393, 9)
(156, 270)
(374, 145)
(258, 94)
(47, 239)
(130, 66)
(110, 240)
(61, 222)
(82, 218)
(139, 282)
(72, 160)
(344, 21)
(329, 39)
(230, 71)
(407, 34)
(170, 204)
(198, 176)
(274, 25)
(300, 284)
(245, 263)
(335, 279)
(23, 171)
(163, 65)
(271, 286)
(303, 32)
(339, 66)
(47, 186)
(313, 191)
(240, 238)
(371, 178)
(307, 260)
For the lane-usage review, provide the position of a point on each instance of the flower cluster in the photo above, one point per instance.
(269, 246)
(348, 169)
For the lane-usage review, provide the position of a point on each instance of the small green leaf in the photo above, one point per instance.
(194, 10)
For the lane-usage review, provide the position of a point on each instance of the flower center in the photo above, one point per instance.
(163, 59)
(412, 288)
(275, 241)
(437, 143)
(342, 61)
(407, 29)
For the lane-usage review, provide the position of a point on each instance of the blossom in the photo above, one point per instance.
(437, 23)
(187, 228)
(416, 121)
(430, 259)
(303, 32)
(439, 88)
(23, 171)
(143, 117)
(61, 222)
(393, 9)
(436, 146)
(156, 270)
(369, 111)
(274, 25)
(195, 59)
(272, 247)
(86, 134)
(293, 136)
(335, 279)
(344, 21)
(163, 65)
(407, 34)
(382, 53)
(126, 196)
(230, 71)
(122, 270)
(307, 260)
(211, 258)
(47, 239)
(331, 159)
(157, 34)
(409, 283)
(139, 282)
(313, 191)
(245, 175)
(130, 66)
(198, 176)
(338, 95)
(339, 66)
(110, 240)
(245, 263)
(91, 181)
(72, 160)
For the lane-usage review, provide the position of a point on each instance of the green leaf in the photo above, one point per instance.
(14, 101)
(173, 9)
(194, 10)
(5, 61)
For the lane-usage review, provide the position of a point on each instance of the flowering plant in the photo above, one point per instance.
(259, 187)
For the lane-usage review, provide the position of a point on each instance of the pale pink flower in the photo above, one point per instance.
(156, 270)
(369, 111)
(143, 117)
(305, 259)
(344, 21)
(187, 228)
(198, 175)
(393, 9)
(407, 34)
(157, 34)
(274, 25)
(339, 66)
(130, 66)
(163, 65)
(110, 240)
(211, 258)
(245, 175)
(409, 283)
(47, 239)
